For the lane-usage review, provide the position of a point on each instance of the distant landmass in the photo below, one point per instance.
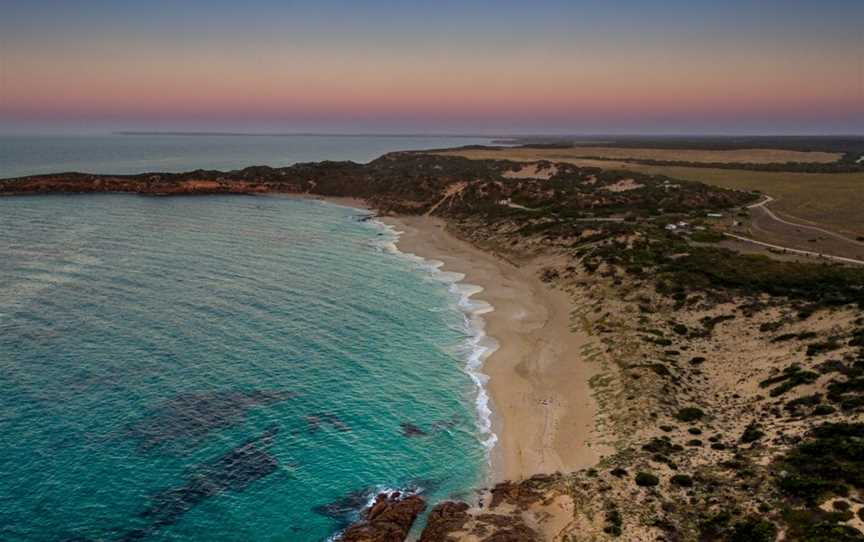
(286, 134)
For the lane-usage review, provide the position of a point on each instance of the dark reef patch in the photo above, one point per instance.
(315, 420)
(443, 425)
(183, 423)
(234, 471)
(410, 430)
(345, 509)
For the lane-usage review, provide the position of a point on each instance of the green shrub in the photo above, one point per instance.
(660, 369)
(707, 236)
(807, 400)
(840, 505)
(832, 532)
(752, 433)
(824, 410)
(690, 414)
(681, 480)
(618, 472)
(838, 390)
(826, 285)
(646, 479)
(816, 525)
(824, 346)
(770, 326)
(714, 527)
(753, 530)
(826, 462)
(791, 377)
(613, 522)
(661, 446)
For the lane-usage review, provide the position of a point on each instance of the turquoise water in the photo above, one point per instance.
(221, 368)
(120, 154)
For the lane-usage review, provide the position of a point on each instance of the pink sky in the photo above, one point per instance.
(132, 75)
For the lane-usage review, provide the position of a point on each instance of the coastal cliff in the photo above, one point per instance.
(730, 385)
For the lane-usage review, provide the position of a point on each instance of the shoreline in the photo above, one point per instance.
(542, 409)
(480, 344)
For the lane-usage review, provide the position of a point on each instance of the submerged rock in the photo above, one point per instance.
(234, 471)
(184, 422)
(315, 420)
(443, 425)
(345, 509)
(411, 430)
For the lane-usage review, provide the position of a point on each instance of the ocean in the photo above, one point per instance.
(225, 368)
(129, 154)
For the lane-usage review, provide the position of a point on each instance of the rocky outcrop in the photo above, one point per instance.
(446, 518)
(389, 519)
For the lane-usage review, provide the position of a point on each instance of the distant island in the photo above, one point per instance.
(681, 327)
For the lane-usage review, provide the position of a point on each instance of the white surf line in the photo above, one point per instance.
(795, 250)
(481, 345)
(768, 199)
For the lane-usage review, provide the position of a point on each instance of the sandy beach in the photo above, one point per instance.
(543, 412)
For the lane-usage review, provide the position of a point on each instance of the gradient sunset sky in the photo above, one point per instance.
(769, 66)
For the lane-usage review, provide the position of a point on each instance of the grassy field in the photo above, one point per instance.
(834, 200)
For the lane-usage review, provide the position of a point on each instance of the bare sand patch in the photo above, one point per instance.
(532, 171)
(624, 185)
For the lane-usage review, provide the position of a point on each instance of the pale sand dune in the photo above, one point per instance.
(542, 404)
(624, 185)
(532, 171)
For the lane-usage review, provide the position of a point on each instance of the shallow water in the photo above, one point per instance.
(221, 368)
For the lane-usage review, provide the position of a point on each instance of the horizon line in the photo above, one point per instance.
(470, 135)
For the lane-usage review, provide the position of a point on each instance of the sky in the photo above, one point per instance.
(442, 66)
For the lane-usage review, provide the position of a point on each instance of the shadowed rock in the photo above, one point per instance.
(184, 422)
(389, 519)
